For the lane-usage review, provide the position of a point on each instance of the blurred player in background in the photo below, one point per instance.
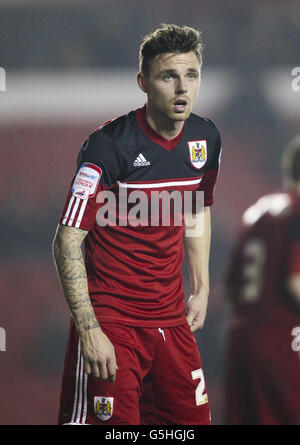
(132, 356)
(263, 287)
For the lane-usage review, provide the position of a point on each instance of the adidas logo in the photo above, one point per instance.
(141, 161)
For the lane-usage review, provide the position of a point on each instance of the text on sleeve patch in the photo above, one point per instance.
(86, 181)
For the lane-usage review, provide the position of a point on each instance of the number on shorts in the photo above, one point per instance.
(199, 396)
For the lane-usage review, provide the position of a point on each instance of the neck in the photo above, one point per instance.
(169, 129)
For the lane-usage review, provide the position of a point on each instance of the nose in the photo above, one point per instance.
(181, 87)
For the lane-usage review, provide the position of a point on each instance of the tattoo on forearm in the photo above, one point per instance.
(72, 274)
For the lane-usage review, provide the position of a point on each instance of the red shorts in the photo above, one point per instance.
(159, 380)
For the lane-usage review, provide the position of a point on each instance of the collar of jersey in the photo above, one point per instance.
(168, 144)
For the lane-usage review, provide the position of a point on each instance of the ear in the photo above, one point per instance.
(142, 82)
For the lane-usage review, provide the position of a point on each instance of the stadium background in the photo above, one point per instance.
(71, 65)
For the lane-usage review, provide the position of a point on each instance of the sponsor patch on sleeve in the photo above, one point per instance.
(86, 182)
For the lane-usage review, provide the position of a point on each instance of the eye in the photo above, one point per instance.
(167, 77)
(192, 76)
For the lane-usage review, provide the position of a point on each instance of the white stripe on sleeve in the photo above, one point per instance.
(81, 212)
(68, 210)
(76, 205)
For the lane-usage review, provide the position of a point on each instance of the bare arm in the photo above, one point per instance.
(72, 274)
(97, 350)
(197, 250)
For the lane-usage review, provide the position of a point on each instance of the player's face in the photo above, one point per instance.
(172, 85)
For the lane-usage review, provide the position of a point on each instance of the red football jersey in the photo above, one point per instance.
(134, 270)
(267, 252)
(262, 367)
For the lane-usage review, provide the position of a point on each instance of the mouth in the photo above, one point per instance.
(180, 105)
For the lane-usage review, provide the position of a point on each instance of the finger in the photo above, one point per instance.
(194, 327)
(95, 370)
(87, 366)
(103, 371)
(112, 369)
(112, 378)
(197, 324)
(190, 318)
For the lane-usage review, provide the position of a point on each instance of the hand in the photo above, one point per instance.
(98, 354)
(196, 311)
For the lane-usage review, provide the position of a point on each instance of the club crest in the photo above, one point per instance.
(103, 407)
(198, 153)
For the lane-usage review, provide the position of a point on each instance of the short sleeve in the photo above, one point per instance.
(209, 179)
(97, 170)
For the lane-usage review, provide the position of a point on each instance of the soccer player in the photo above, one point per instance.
(263, 286)
(132, 357)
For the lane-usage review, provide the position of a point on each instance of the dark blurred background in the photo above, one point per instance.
(71, 65)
